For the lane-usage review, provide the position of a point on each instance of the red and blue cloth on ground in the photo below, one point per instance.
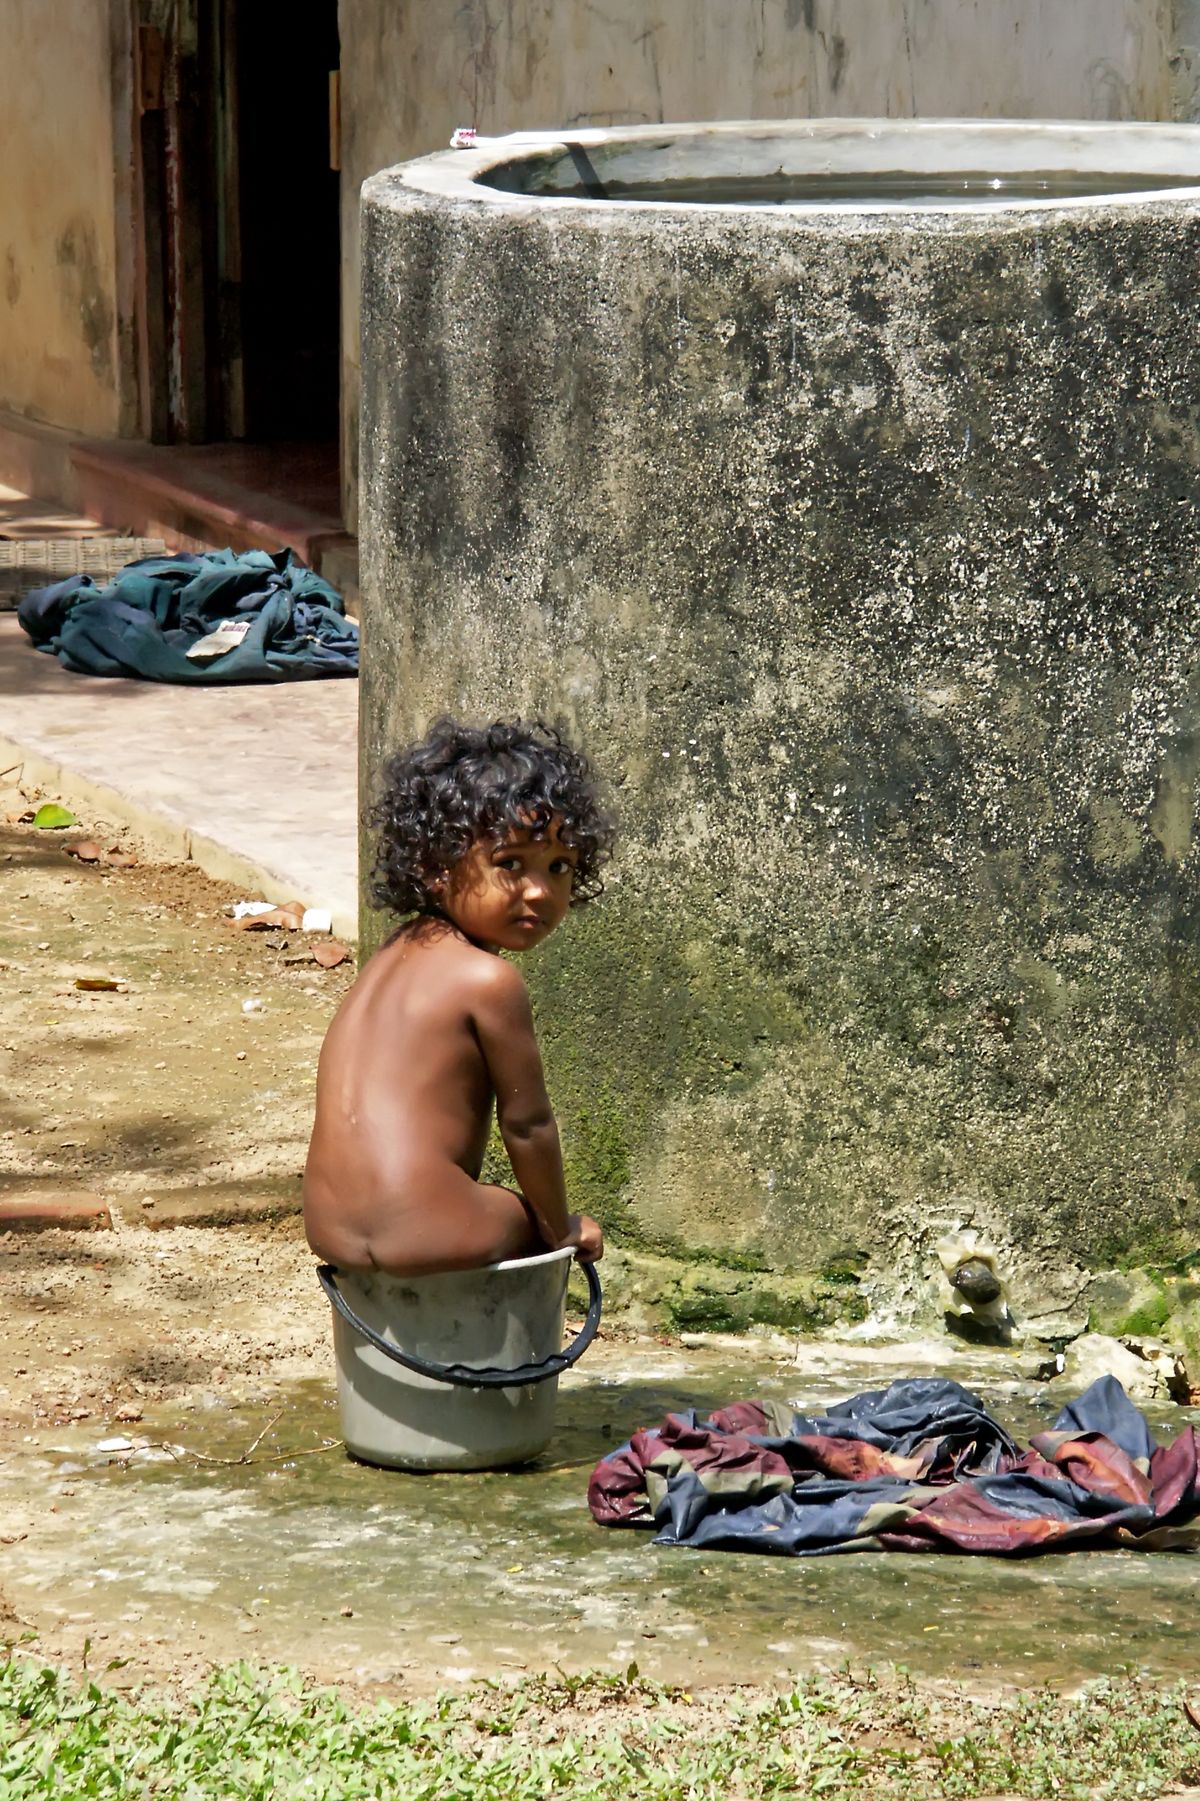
(918, 1466)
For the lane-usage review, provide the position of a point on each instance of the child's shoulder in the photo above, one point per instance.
(488, 986)
(450, 961)
(489, 974)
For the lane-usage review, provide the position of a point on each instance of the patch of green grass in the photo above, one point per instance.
(250, 1735)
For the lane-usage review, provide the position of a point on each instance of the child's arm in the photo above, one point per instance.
(503, 1023)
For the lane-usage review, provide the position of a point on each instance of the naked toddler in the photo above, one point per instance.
(487, 837)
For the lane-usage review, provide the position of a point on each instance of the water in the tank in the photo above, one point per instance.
(960, 187)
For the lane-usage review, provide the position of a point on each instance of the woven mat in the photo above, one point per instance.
(35, 562)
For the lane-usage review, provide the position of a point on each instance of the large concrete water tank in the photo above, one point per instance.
(835, 484)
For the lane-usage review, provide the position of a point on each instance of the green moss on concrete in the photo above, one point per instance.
(1183, 1329)
(716, 1105)
(715, 1300)
(596, 1148)
(769, 1098)
(1146, 1321)
(1186, 1264)
(1161, 1249)
(1127, 1302)
(632, 1008)
(1149, 1303)
(660, 1292)
(845, 1266)
(1182, 1326)
(496, 1166)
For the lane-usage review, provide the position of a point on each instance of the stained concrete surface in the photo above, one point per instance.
(257, 785)
(857, 548)
(532, 63)
(311, 1558)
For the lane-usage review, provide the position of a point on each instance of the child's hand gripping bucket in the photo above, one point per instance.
(457, 1371)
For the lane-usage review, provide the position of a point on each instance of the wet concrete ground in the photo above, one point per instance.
(304, 1556)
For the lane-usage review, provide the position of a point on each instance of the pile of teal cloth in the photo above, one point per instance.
(146, 619)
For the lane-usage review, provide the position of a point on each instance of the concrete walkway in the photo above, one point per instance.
(258, 785)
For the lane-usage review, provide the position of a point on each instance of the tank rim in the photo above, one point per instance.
(932, 147)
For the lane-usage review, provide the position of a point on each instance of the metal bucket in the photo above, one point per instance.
(456, 1371)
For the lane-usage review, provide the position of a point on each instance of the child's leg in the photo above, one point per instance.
(459, 1224)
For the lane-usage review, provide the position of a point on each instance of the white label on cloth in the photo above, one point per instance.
(227, 636)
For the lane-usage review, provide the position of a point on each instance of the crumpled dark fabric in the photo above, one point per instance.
(143, 623)
(918, 1466)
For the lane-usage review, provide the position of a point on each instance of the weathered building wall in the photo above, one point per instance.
(65, 70)
(411, 73)
(863, 557)
(1184, 61)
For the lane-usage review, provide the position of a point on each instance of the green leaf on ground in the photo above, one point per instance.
(52, 817)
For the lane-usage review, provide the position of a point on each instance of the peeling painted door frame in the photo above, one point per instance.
(187, 231)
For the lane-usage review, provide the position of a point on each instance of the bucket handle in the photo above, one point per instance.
(461, 1375)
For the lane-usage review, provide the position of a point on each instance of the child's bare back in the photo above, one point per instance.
(436, 1028)
(404, 1100)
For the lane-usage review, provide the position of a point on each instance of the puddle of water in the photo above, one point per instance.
(456, 1575)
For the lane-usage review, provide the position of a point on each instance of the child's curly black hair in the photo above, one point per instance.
(462, 783)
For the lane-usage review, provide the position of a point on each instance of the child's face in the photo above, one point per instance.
(511, 893)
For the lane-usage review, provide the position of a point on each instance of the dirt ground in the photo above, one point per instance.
(170, 1100)
(187, 1091)
(184, 1111)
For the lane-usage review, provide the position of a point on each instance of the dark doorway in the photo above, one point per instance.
(240, 216)
(289, 227)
